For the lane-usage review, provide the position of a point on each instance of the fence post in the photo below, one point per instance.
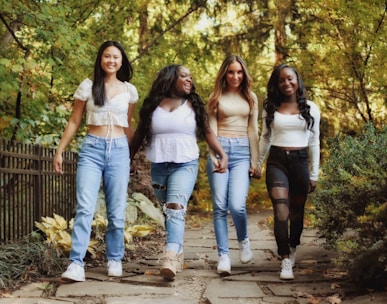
(38, 183)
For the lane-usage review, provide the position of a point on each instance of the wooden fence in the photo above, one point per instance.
(30, 189)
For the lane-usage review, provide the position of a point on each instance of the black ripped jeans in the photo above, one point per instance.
(287, 181)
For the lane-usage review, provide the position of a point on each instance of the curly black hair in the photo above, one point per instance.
(275, 98)
(163, 87)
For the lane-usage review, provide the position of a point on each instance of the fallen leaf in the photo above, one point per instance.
(301, 294)
(335, 299)
(307, 271)
(313, 300)
(335, 285)
(150, 272)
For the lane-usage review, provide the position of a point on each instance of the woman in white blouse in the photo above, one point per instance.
(290, 133)
(109, 102)
(172, 117)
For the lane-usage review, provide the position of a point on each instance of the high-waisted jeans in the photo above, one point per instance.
(229, 191)
(109, 159)
(174, 183)
(287, 181)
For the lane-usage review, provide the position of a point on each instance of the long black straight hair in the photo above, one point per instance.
(125, 72)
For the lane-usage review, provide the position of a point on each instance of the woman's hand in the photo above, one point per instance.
(220, 166)
(57, 162)
(312, 185)
(255, 173)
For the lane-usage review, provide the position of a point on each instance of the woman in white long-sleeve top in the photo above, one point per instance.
(290, 133)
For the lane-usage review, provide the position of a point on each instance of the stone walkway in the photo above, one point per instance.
(317, 281)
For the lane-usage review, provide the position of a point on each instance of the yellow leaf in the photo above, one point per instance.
(40, 226)
(71, 224)
(100, 222)
(93, 247)
(148, 208)
(61, 223)
(140, 230)
(128, 237)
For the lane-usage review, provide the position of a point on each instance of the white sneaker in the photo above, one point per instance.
(286, 270)
(224, 265)
(292, 256)
(245, 254)
(114, 268)
(74, 272)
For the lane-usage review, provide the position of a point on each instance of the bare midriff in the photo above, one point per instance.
(291, 148)
(107, 131)
(232, 134)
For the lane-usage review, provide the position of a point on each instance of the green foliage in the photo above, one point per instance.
(340, 55)
(351, 203)
(49, 47)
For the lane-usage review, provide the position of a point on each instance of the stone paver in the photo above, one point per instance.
(316, 279)
(233, 290)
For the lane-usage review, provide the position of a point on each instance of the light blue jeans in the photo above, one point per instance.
(173, 183)
(109, 159)
(229, 191)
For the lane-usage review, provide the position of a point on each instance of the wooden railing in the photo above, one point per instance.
(30, 189)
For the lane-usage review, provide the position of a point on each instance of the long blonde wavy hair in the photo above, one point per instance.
(221, 84)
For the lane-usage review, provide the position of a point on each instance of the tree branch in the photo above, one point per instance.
(13, 34)
(170, 27)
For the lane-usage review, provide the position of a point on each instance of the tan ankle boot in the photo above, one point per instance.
(180, 262)
(170, 265)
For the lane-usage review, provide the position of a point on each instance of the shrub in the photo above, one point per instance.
(351, 203)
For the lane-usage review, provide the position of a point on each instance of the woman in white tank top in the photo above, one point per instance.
(172, 118)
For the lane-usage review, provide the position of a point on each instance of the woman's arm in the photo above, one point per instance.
(69, 132)
(213, 142)
(252, 132)
(129, 130)
(213, 123)
(314, 144)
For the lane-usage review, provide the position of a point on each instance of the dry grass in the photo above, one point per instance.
(27, 260)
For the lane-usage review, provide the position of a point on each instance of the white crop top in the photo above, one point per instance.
(173, 135)
(291, 131)
(113, 112)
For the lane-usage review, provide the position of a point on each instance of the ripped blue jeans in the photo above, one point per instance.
(173, 184)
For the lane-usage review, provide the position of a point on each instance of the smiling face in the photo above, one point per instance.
(288, 82)
(111, 60)
(184, 81)
(234, 76)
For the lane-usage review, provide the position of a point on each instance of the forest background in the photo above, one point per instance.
(48, 47)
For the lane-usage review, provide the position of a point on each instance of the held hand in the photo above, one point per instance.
(220, 166)
(255, 173)
(312, 186)
(57, 162)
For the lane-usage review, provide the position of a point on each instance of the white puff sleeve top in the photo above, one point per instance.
(113, 112)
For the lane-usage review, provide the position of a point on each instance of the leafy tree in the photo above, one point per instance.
(49, 46)
(342, 46)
